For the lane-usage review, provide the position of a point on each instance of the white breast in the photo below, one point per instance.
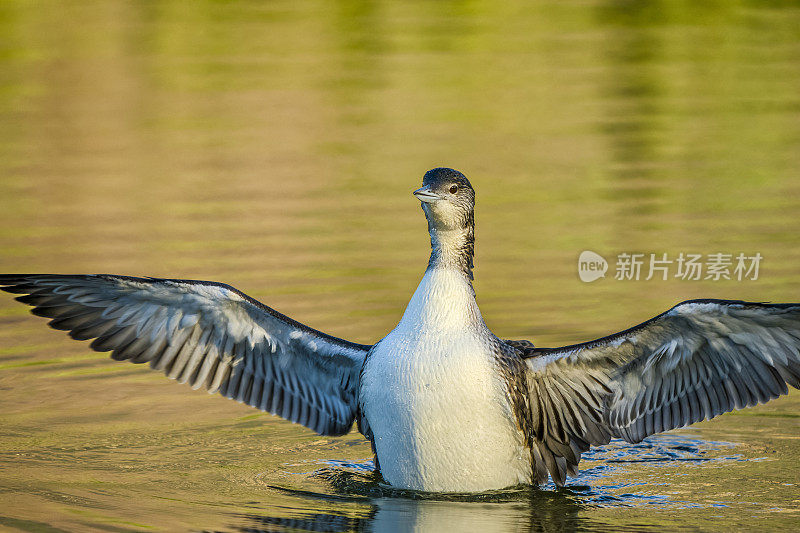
(436, 403)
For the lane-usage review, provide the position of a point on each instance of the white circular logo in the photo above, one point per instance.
(591, 266)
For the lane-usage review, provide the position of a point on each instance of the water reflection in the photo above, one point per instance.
(531, 510)
(633, 97)
(378, 507)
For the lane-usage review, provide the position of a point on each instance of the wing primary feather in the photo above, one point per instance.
(692, 407)
(556, 425)
(67, 322)
(540, 422)
(789, 376)
(207, 368)
(778, 383)
(677, 415)
(286, 408)
(742, 389)
(196, 356)
(222, 377)
(91, 330)
(235, 380)
(565, 399)
(302, 417)
(164, 361)
(245, 386)
(648, 424)
(314, 421)
(119, 336)
(713, 397)
(151, 351)
(705, 404)
(130, 349)
(256, 389)
(664, 407)
(733, 394)
(753, 391)
(725, 402)
(276, 405)
(175, 366)
(267, 394)
(658, 421)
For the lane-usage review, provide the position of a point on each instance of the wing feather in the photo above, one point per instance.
(696, 361)
(208, 335)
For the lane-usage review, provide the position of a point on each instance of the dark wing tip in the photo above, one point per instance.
(16, 283)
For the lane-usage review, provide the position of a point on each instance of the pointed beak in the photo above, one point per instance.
(426, 195)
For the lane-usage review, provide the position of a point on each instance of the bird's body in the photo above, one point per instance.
(447, 406)
(435, 397)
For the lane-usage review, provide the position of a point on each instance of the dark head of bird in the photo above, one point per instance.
(448, 201)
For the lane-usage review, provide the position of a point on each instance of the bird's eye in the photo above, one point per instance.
(453, 189)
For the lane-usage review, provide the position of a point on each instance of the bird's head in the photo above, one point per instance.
(448, 199)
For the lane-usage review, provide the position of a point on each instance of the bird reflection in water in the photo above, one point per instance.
(540, 511)
(379, 507)
(382, 508)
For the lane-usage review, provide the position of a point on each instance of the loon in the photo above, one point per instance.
(446, 405)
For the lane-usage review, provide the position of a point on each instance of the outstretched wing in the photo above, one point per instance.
(700, 359)
(209, 335)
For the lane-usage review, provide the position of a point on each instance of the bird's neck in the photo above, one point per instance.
(453, 248)
(443, 301)
(445, 298)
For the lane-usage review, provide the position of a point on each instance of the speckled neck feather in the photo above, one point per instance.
(453, 247)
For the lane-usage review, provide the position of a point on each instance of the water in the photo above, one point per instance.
(274, 146)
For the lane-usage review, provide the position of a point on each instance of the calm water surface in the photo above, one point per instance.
(274, 145)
